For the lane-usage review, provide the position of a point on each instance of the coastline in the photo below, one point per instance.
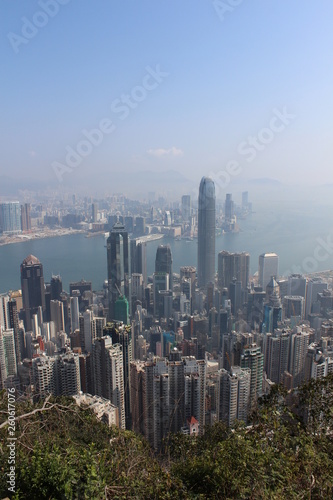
(38, 235)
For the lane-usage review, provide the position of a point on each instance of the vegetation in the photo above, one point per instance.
(62, 451)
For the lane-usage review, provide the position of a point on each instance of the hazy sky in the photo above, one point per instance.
(178, 85)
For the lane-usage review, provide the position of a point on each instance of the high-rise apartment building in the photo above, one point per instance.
(253, 358)
(206, 232)
(233, 394)
(108, 374)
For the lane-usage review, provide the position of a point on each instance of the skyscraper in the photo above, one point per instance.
(25, 217)
(268, 267)
(163, 262)
(10, 217)
(228, 207)
(186, 207)
(233, 265)
(118, 266)
(33, 292)
(206, 232)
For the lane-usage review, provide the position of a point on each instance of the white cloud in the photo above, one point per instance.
(161, 152)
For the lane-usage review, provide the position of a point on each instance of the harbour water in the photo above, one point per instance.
(293, 232)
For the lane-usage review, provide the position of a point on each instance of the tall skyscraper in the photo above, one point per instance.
(25, 217)
(268, 267)
(10, 217)
(139, 258)
(94, 212)
(163, 262)
(186, 207)
(228, 207)
(33, 291)
(108, 374)
(233, 265)
(253, 358)
(206, 232)
(118, 266)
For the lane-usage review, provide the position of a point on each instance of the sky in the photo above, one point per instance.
(95, 93)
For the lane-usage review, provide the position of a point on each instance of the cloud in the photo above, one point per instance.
(161, 152)
(32, 153)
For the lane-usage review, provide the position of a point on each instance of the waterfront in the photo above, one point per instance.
(292, 232)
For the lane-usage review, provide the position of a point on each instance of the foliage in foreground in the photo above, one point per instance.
(64, 452)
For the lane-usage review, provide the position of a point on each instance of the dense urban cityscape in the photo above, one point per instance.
(172, 352)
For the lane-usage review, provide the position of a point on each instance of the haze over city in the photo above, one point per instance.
(225, 72)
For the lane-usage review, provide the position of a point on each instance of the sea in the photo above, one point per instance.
(293, 230)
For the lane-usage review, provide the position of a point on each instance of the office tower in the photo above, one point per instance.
(253, 358)
(315, 286)
(121, 310)
(68, 374)
(235, 294)
(140, 226)
(245, 200)
(293, 307)
(139, 258)
(206, 232)
(228, 207)
(167, 218)
(189, 272)
(186, 207)
(160, 283)
(298, 349)
(273, 307)
(33, 291)
(25, 217)
(74, 306)
(118, 266)
(10, 217)
(137, 287)
(57, 316)
(233, 394)
(122, 335)
(108, 374)
(80, 287)
(163, 262)
(296, 285)
(277, 348)
(94, 212)
(56, 287)
(233, 265)
(268, 267)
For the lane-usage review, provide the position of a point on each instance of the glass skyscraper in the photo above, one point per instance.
(206, 232)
